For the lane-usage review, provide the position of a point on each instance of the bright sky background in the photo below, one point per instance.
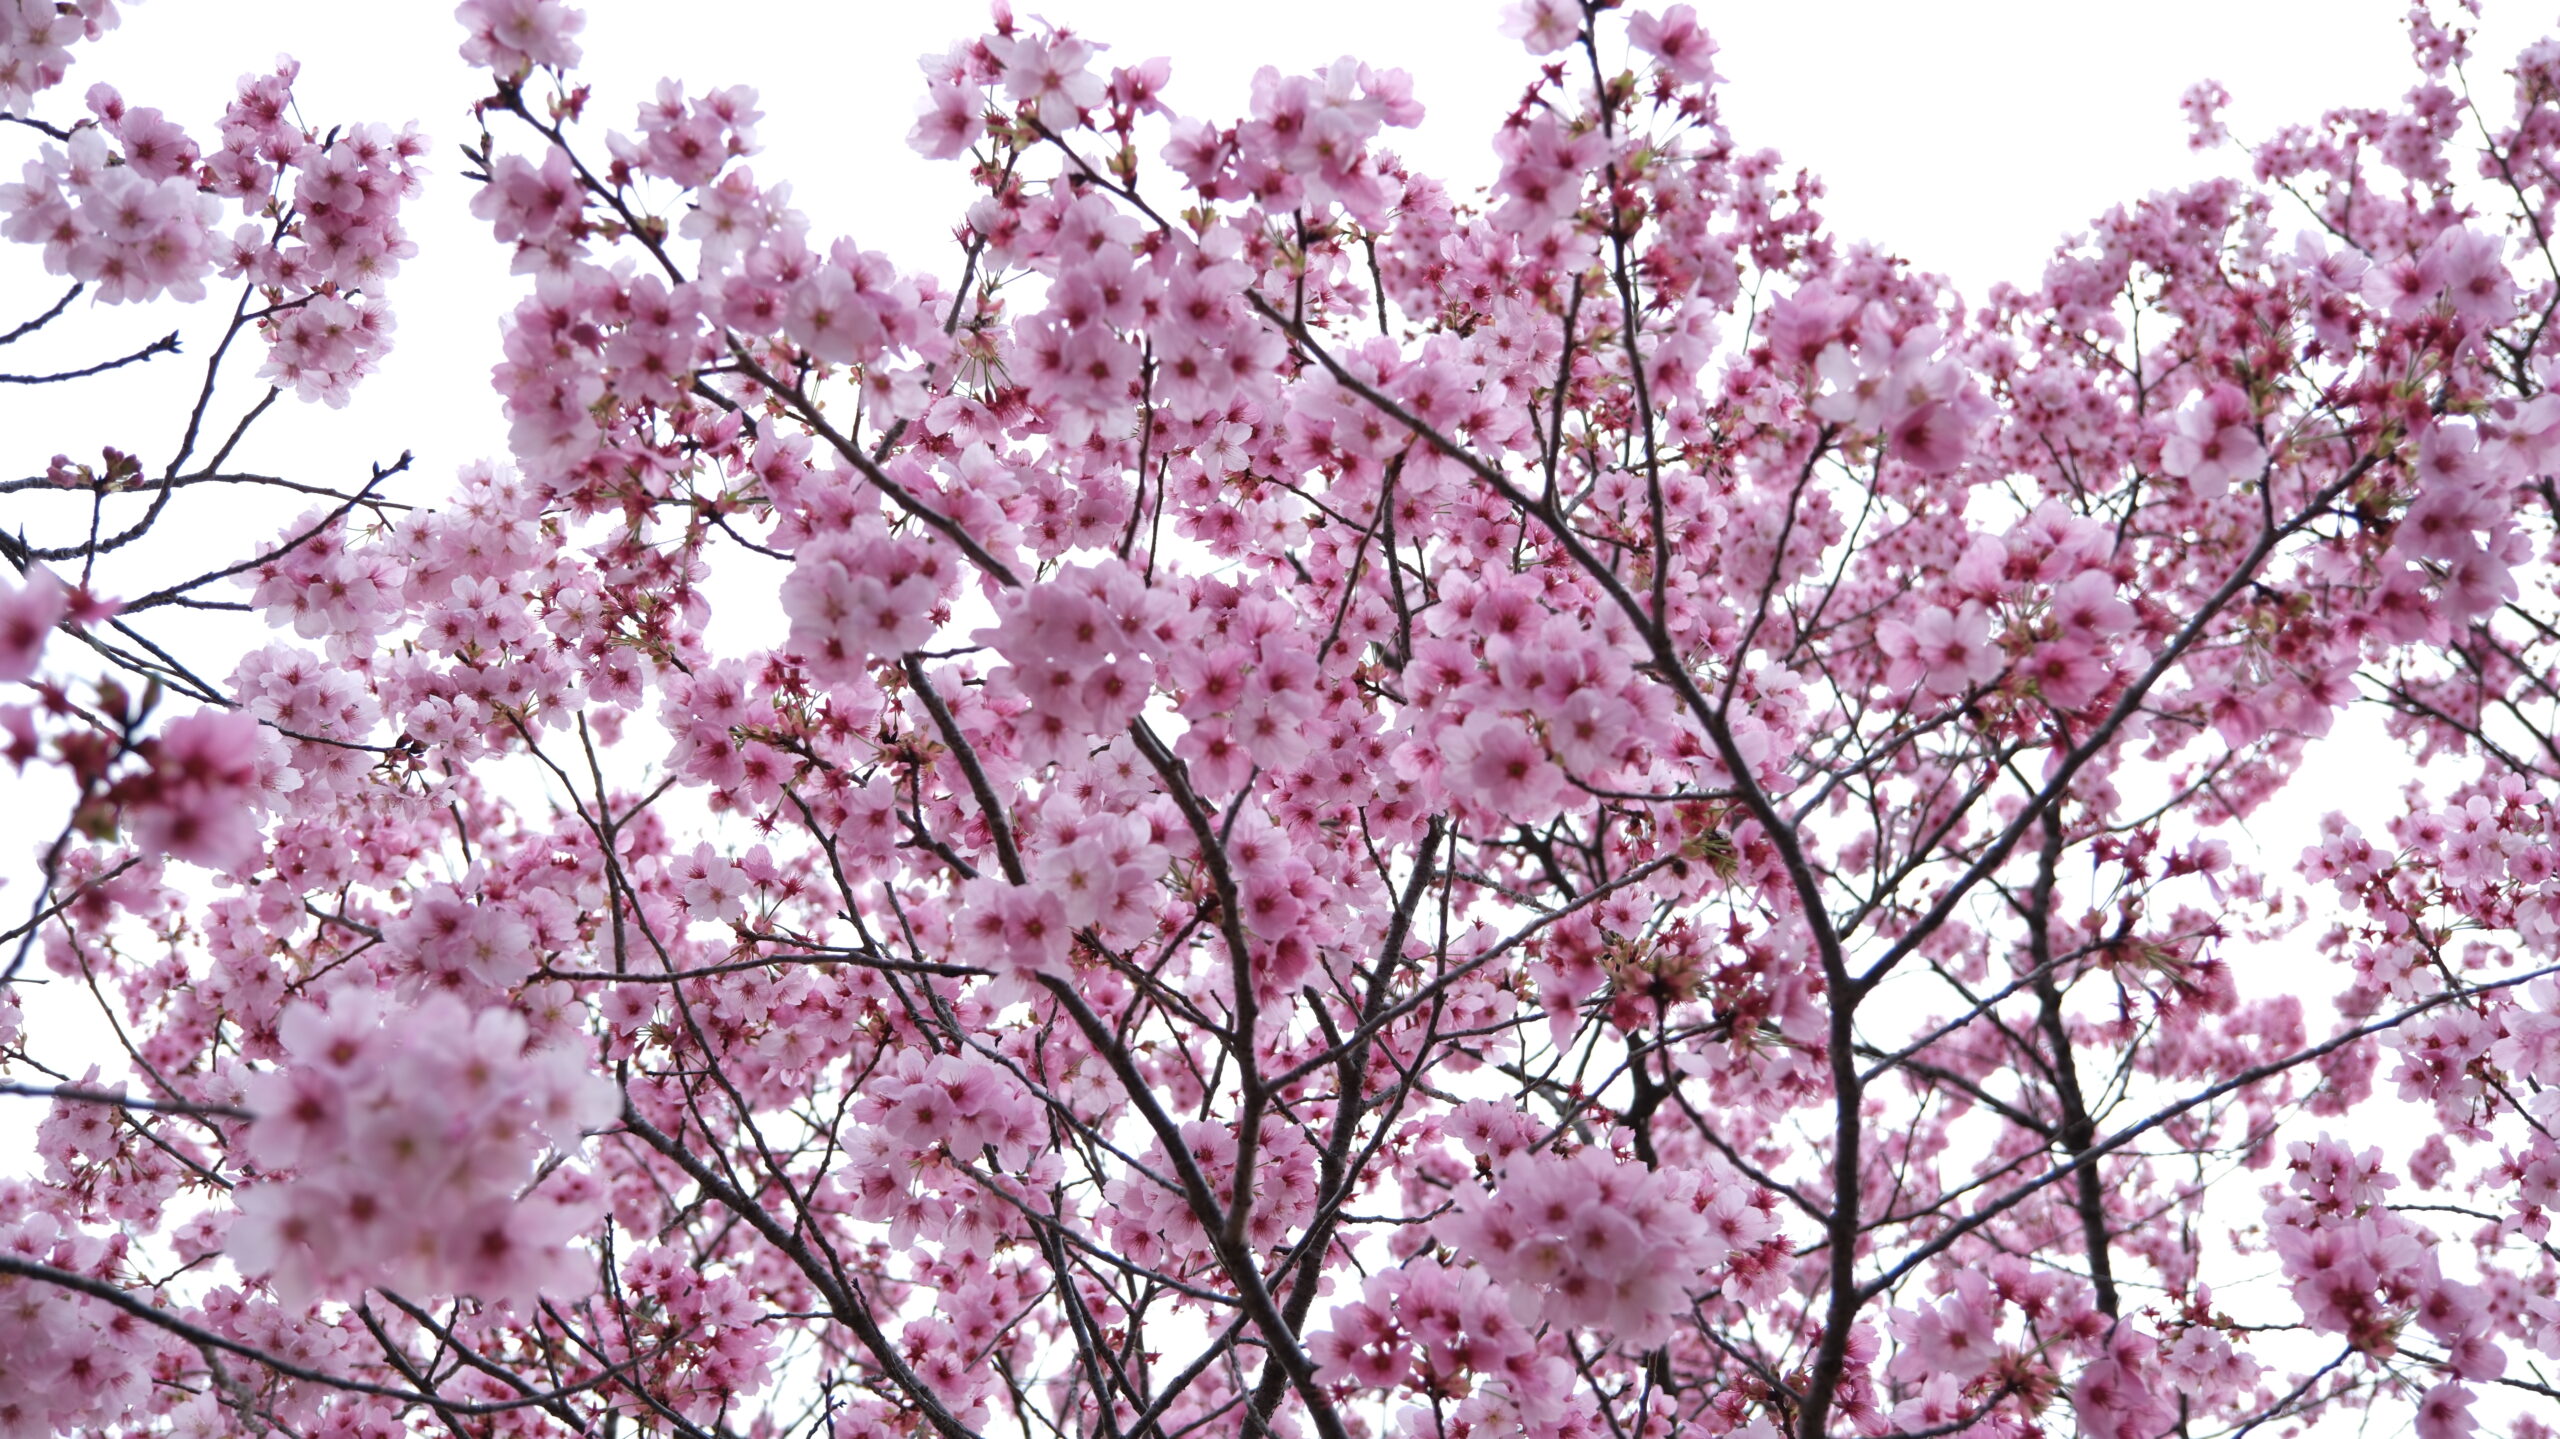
(1967, 136)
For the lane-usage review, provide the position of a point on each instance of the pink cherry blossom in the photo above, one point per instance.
(1943, 651)
(2212, 443)
(1049, 72)
(510, 36)
(198, 800)
(1543, 25)
(1278, 795)
(29, 609)
(1676, 41)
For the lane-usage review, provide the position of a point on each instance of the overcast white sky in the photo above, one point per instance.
(1966, 136)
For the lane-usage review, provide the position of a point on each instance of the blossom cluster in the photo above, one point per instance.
(1451, 1332)
(129, 204)
(1583, 1239)
(2361, 1270)
(29, 609)
(398, 1146)
(965, 1104)
(135, 229)
(36, 37)
(74, 1362)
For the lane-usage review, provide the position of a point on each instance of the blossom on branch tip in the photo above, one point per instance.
(510, 37)
(1677, 42)
(1050, 73)
(1942, 651)
(2213, 442)
(407, 1138)
(29, 609)
(1544, 26)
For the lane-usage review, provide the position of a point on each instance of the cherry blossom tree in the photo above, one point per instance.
(1360, 811)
